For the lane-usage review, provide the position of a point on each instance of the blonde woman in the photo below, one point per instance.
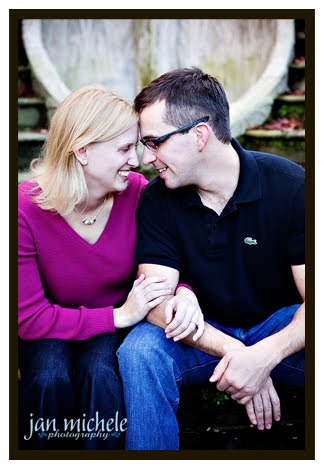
(77, 294)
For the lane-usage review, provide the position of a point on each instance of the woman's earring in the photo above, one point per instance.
(84, 162)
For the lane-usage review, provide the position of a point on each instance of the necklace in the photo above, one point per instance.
(89, 222)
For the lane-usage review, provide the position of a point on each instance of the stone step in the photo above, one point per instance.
(291, 98)
(211, 420)
(289, 106)
(300, 66)
(23, 69)
(32, 136)
(296, 76)
(22, 175)
(300, 44)
(30, 101)
(289, 144)
(29, 146)
(273, 134)
(31, 113)
(283, 436)
(24, 81)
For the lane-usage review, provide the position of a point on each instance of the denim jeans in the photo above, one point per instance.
(153, 368)
(70, 380)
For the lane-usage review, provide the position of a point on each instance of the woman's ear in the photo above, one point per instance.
(202, 136)
(81, 155)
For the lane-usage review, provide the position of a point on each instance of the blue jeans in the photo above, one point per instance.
(153, 368)
(70, 380)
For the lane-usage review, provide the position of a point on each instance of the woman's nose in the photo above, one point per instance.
(133, 160)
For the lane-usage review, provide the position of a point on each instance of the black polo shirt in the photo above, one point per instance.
(238, 263)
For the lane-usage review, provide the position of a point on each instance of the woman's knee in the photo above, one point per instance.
(98, 371)
(46, 365)
(97, 359)
(51, 379)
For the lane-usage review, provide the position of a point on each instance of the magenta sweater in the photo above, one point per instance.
(67, 287)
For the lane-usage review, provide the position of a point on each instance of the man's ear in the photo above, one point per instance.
(202, 136)
(81, 155)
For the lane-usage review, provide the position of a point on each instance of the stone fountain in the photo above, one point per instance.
(250, 57)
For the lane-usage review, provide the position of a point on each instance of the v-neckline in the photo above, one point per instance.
(78, 237)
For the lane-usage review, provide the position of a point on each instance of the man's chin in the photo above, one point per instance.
(171, 184)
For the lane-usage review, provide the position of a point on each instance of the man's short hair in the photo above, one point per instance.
(189, 94)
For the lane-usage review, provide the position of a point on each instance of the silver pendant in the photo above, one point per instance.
(89, 222)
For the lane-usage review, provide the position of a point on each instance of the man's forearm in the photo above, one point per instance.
(212, 341)
(289, 340)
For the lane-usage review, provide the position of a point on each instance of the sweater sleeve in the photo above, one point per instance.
(38, 318)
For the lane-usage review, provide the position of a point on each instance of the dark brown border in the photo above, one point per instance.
(309, 452)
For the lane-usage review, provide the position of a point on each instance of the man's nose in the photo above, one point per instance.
(148, 156)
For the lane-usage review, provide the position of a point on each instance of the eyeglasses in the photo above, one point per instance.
(155, 142)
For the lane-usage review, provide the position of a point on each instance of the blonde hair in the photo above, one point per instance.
(89, 114)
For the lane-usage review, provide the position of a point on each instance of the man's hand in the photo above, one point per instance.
(264, 406)
(187, 314)
(242, 372)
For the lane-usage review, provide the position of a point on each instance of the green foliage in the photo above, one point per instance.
(148, 172)
(146, 73)
(292, 149)
(292, 111)
(213, 397)
(145, 70)
(277, 145)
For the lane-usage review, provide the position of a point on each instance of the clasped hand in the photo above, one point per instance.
(264, 406)
(183, 316)
(145, 294)
(244, 373)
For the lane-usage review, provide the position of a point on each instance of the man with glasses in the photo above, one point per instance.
(230, 223)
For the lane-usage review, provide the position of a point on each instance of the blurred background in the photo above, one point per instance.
(260, 62)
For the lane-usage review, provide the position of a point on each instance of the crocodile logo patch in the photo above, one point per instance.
(250, 241)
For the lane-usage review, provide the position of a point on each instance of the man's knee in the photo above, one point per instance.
(291, 370)
(139, 342)
(145, 345)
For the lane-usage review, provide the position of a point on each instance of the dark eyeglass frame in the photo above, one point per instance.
(153, 143)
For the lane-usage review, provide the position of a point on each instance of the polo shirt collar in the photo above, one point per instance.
(248, 187)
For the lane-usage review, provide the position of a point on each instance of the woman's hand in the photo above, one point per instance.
(144, 296)
(187, 314)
